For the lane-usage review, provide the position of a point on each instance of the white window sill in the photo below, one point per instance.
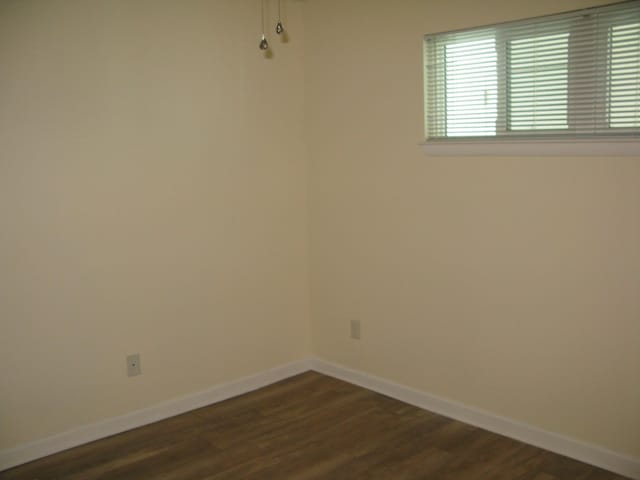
(536, 148)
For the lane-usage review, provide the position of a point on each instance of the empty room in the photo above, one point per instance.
(320, 239)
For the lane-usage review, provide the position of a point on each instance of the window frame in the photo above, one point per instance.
(626, 141)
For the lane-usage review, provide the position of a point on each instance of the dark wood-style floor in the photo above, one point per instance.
(308, 427)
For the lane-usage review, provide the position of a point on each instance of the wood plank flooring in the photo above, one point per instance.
(308, 427)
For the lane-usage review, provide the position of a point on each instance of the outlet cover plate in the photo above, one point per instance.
(133, 365)
(355, 329)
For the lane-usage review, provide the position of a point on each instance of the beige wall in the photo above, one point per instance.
(508, 284)
(153, 173)
(152, 200)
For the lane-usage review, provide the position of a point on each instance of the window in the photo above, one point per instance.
(570, 76)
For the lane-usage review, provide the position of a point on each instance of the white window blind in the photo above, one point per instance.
(574, 75)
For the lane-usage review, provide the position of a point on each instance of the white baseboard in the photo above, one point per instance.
(72, 438)
(588, 453)
(584, 452)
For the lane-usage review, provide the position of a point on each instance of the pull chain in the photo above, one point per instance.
(264, 45)
(279, 26)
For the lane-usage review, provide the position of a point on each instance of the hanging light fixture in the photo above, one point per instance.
(279, 26)
(264, 45)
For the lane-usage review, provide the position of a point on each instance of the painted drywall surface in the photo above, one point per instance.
(508, 284)
(152, 200)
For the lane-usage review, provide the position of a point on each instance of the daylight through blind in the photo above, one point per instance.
(570, 75)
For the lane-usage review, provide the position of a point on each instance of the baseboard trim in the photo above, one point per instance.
(79, 436)
(584, 452)
(578, 450)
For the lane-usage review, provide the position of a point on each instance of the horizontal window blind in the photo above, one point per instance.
(571, 75)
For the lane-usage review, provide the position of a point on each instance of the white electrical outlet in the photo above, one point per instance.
(355, 329)
(133, 365)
